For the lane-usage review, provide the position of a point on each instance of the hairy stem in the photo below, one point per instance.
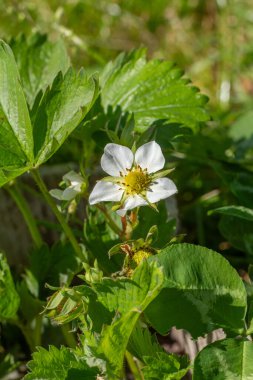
(133, 367)
(24, 208)
(50, 201)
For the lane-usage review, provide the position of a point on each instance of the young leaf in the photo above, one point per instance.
(227, 360)
(202, 292)
(149, 279)
(151, 90)
(9, 299)
(163, 366)
(38, 61)
(58, 364)
(124, 294)
(166, 226)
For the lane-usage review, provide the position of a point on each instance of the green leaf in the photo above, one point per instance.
(149, 280)
(58, 364)
(250, 315)
(9, 299)
(238, 180)
(236, 225)
(142, 343)
(16, 141)
(163, 366)
(236, 211)
(38, 61)
(229, 359)
(242, 187)
(30, 307)
(202, 292)
(166, 225)
(123, 294)
(57, 113)
(51, 265)
(151, 90)
(99, 238)
(8, 175)
(61, 109)
(238, 232)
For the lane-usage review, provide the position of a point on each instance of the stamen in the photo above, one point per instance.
(137, 181)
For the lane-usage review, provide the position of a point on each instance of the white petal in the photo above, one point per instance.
(56, 193)
(105, 191)
(130, 203)
(149, 156)
(161, 188)
(116, 159)
(69, 193)
(73, 177)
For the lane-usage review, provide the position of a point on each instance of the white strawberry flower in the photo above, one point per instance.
(74, 185)
(134, 179)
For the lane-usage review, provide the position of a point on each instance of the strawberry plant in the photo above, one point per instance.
(121, 273)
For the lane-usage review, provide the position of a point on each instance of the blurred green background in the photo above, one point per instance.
(211, 40)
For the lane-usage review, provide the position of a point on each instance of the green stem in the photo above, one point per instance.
(37, 331)
(37, 178)
(17, 196)
(111, 222)
(134, 367)
(68, 336)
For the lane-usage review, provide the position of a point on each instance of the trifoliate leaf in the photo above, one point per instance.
(151, 90)
(25, 144)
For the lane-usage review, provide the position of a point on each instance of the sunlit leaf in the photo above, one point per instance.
(151, 90)
(16, 140)
(202, 292)
(229, 359)
(39, 61)
(58, 364)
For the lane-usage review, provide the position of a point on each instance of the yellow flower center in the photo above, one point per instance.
(140, 255)
(137, 181)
